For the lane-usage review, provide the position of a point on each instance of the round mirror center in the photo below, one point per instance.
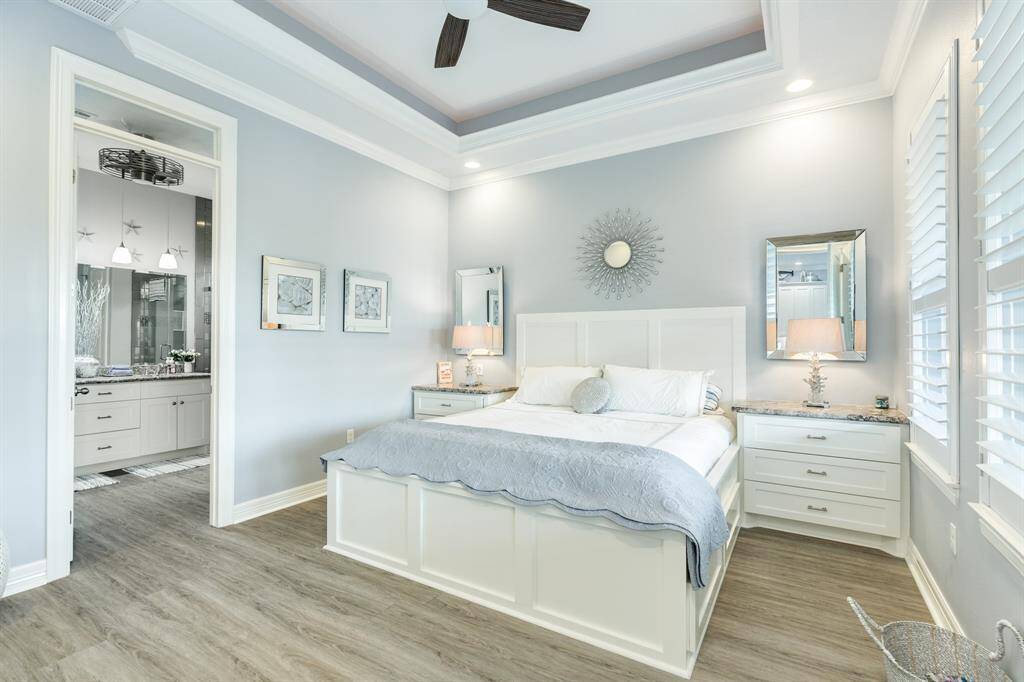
(617, 254)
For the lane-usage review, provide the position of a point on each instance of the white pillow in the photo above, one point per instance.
(552, 385)
(679, 393)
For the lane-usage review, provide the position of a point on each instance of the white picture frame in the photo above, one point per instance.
(294, 295)
(366, 302)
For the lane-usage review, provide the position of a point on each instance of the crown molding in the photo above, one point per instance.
(163, 57)
(236, 22)
(901, 39)
(798, 107)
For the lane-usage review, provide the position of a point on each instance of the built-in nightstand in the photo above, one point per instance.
(435, 400)
(838, 473)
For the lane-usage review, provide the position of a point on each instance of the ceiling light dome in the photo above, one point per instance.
(466, 9)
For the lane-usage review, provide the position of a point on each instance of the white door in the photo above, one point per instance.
(158, 426)
(193, 420)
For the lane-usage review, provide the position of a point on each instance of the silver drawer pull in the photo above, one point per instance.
(811, 507)
(105, 393)
(817, 473)
(104, 447)
(109, 416)
(446, 404)
(816, 437)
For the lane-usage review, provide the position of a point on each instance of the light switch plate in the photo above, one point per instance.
(350, 435)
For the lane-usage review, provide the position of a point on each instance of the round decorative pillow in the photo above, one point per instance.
(591, 395)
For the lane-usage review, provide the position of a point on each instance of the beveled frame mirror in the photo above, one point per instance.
(480, 301)
(822, 277)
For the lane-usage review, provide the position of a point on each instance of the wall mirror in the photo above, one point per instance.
(817, 277)
(480, 301)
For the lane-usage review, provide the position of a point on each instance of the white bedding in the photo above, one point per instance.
(698, 441)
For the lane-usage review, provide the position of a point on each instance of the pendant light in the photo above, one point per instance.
(122, 256)
(167, 259)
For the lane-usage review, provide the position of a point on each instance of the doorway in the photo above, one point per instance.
(158, 309)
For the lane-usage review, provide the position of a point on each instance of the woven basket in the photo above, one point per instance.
(921, 651)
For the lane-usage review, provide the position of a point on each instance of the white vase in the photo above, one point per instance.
(86, 366)
(187, 367)
(5, 563)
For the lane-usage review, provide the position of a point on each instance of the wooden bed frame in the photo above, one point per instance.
(622, 590)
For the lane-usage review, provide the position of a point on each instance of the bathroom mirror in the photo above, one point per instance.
(818, 276)
(480, 300)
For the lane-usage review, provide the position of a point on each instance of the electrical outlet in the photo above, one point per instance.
(350, 435)
(952, 538)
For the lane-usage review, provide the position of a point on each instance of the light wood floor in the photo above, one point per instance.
(155, 593)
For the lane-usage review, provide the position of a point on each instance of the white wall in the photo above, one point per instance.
(298, 197)
(716, 200)
(978, 582)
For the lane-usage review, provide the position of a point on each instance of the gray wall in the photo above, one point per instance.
(298, 197)
(716, 199)
(978, 582)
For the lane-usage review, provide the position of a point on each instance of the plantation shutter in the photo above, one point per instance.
(1001, 265)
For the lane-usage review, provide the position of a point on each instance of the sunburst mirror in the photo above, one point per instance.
(619, 254)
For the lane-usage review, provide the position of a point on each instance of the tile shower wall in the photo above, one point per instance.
(203, 321)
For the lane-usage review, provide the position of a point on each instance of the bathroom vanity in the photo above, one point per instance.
(122, 421)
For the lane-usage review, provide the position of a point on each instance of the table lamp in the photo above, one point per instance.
(814, 339)
(474, 338)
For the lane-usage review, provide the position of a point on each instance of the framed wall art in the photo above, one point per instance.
(294, 295)
(367, 302)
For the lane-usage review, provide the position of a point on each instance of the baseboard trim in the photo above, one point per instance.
(934, 599)
(25, 577)
(278, 501)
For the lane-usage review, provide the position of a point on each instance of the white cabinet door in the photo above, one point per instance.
(158, 431)
(193, 420)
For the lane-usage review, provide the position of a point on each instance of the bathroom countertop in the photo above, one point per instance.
(850, 413)
(85, 381)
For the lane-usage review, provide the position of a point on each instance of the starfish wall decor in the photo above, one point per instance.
(84, 235)
(132, 227)
(180, 251)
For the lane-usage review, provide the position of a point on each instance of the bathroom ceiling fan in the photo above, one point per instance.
(555, 13)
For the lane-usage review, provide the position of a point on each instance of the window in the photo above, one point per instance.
(1001, 275)
(931, 223)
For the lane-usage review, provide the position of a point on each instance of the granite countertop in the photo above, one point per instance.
(482, 389)
(850, 413)
(139, 377)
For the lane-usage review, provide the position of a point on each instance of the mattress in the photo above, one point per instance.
(698, 441)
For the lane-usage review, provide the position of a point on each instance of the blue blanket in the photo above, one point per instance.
(631, 485)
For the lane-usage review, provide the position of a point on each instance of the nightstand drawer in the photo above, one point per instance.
(106, 393)
(840, 475)
(103, 417)
(864, 514)
(106, 447)
(439, 405)
(831, 437)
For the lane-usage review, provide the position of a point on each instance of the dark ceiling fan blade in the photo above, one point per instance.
(555, 13)
(449, 45)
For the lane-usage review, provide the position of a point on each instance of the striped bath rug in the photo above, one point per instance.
(168, 466)
(90, 481)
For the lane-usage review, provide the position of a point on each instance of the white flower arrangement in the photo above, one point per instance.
(183, 355)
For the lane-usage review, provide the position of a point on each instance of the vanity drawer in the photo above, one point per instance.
(106, 447)
(840, 475)
(864, 514)
(438, 405)
(107, 393)
(831, 437)
(171, 388)
(103, 417)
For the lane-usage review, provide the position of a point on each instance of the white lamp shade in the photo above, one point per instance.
(122, 256)
(823, 335)
(474, 337)
(167, 261)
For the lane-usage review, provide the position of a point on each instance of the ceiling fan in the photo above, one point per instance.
(554, 13)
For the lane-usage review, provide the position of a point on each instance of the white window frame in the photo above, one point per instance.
(939, 461)
(1004, 535)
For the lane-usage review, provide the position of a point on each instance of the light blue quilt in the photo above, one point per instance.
(634, 486)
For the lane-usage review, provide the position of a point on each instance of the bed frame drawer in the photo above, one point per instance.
(840, 475)
(830, 437)
(852, 512)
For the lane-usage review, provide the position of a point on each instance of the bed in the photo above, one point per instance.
(617, 588)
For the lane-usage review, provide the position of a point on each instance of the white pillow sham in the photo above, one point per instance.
(552, 385)
(679, 393)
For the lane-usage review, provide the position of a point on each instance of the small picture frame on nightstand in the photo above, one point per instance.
(444, 373)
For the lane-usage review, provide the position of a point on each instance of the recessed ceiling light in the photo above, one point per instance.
(472, 165)
(799, 85)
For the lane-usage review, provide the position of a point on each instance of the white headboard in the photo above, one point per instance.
(669, 338)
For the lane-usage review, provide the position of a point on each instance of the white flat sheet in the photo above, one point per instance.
(698, 441)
